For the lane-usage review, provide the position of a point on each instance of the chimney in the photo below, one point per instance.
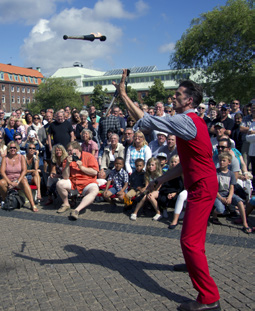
(38, 69)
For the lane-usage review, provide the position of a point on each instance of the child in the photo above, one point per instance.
(119, 179)
(169, 191)
(21, 128)
(153, 171)
(163, 162)
(225, 195)
(136, 181)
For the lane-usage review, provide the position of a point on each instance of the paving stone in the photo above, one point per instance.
(105, 262)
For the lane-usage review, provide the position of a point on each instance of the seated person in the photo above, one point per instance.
(80, 171)
(136, 181)
(170, 190)
(119, 179)
(33, 176)
(156, 144)
(88, 144)
(153, 171)
(163, 161)
(33, 138)
(111, 152)
(13, 171)
(225, 195)
(58, 155)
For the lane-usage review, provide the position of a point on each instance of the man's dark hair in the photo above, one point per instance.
(227, 140)
(193, 90)
(17, 135)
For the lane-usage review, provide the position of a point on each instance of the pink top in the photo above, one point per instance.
(92, 145)
(13, 172)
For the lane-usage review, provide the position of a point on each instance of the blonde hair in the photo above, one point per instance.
(225, 155)
(174, 157)
(144, 140)
(154, 175)
(13, 143)
(9, 120)
(53, 153)
(84, 113)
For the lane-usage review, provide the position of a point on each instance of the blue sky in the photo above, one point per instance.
(139, 33)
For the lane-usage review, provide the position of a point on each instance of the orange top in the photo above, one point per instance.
(80, 180)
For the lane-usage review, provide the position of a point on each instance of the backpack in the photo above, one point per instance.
(13, 200)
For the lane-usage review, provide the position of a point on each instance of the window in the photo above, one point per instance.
(18, 88)
(3, 98)
(26, 79)
(31, 80)
(28, 90)
(91, 83)
(36, 80)
(3, 87)
(85, 84)
(28, 100)
(2, 76)
(12, 88)
(23, 90)
(21, 78)
(18, 100)
(13, 99)
(23, 100)
(16, 78)
(10, 77)
(33, 91)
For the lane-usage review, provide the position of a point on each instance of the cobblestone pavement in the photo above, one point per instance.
(104, 261)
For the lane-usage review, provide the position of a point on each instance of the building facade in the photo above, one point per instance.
(18, 86)
(140, 79)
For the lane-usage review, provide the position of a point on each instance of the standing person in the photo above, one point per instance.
(61, 130)
(10, 130)
(200, 180)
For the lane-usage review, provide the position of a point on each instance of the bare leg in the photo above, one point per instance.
(88, 198)
(140, 205)
(37, 181)
(62, 187)
(242, 213)
(152, 199)
(3, 188)
(24, 186)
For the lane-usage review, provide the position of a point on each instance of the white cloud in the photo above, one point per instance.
(27, 11)
(141, 7)
(166, 48)
(45, 47)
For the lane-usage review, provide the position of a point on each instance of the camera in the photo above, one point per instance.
(75, 157)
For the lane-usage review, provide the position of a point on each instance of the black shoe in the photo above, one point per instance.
(181, 268)
(171, 227)
(196, 306)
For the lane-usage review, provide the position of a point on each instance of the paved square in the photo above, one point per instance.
(106, 262)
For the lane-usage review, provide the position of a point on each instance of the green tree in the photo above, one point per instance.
(56, 93)
(99, 97)
(156, 93)
(219, 46)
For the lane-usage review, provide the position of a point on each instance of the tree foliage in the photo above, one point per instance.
(56, 93)
(99, 97)
(156, 93)
(220, 45)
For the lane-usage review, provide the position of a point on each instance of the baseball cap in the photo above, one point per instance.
(219, 124)
(225, 106)
(161, 155)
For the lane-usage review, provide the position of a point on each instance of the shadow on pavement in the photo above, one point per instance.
(132, 270)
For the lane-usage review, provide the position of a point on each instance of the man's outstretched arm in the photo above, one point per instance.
(134, 111)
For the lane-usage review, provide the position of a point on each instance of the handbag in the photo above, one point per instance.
(13, 200)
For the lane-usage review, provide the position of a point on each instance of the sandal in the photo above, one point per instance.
(34, 209)
(247, 230)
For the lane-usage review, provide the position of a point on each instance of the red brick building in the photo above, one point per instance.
(17, 86)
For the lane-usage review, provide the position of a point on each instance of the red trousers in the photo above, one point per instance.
(201, 197)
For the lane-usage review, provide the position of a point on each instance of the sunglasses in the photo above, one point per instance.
(31, 148)
(221, 147)
(36, 118)
(18, 138)
(168, 111)
(13, 148)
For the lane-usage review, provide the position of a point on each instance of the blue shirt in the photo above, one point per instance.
(119, 178)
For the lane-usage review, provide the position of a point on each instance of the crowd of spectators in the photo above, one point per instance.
(71, 152)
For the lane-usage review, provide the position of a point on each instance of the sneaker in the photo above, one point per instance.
(63, 208)
(165, 214)
(157, 217)
(133, 217)
(74, 214)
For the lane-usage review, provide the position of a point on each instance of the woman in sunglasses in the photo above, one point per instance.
(38, 128)
(13, 171)
(33, 176)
